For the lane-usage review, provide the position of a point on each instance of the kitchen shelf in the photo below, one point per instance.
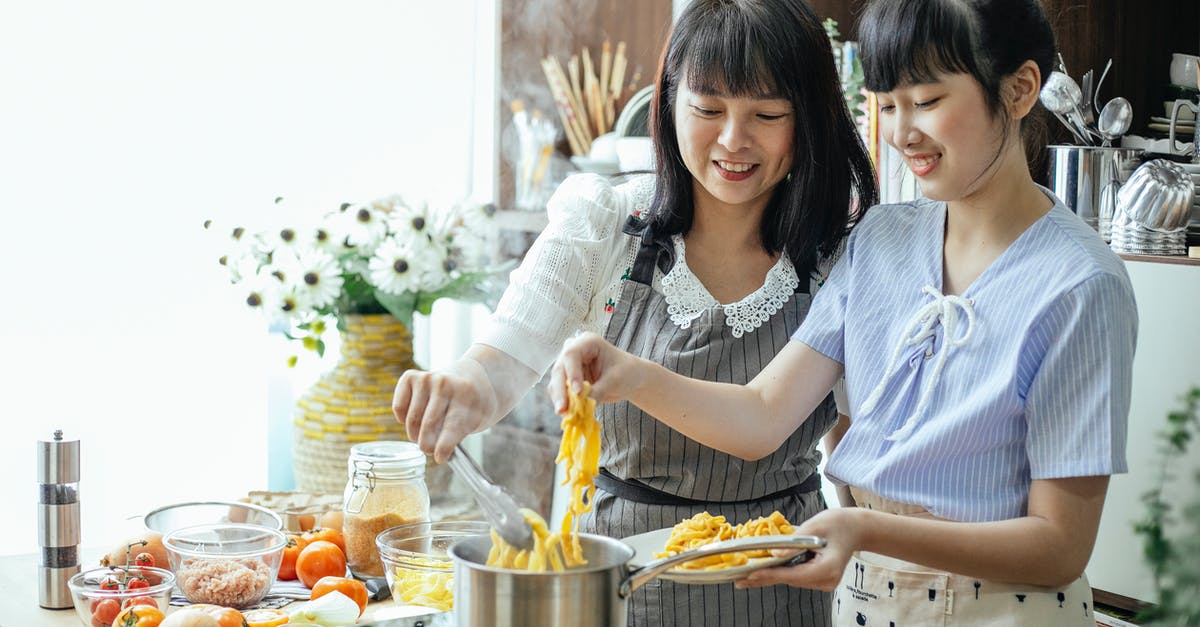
(1179, 261)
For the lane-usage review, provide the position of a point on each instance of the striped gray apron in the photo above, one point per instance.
(653, 476)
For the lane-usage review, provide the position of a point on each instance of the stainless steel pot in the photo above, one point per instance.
(1087, 179)
(593, 595)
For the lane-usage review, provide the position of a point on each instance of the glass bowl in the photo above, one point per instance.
(97, 607)
(171, 517)
(224, 563)
(418, 570)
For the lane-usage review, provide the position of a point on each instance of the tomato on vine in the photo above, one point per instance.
(143, 559)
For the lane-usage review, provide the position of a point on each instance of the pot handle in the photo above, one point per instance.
(640, 576)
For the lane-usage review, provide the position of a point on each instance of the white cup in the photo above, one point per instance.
(1183, 69)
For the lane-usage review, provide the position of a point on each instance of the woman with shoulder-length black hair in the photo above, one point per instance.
(705, 267)
(830, 180)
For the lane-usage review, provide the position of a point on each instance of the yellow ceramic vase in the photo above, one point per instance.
(351, 403)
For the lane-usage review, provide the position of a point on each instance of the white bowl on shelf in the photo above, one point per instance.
(635, 153)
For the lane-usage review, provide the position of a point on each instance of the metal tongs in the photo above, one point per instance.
(498, 506)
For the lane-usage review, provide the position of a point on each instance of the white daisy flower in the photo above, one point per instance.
(285, 238)
(243, 250)
(412, 223)
(315, 277)
(393, 268)
(472, 231)
(364, 227)
(256, 291)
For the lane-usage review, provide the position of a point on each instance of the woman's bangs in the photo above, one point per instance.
(728, 61)
(910, 43)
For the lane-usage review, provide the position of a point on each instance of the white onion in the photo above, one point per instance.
(330, 610)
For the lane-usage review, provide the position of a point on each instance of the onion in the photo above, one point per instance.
(329, 610)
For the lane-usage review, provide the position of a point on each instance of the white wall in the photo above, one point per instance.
(123, 126)
(1165, 367)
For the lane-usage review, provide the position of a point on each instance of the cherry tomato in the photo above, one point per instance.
(137, 583)
(352, 588)
(265, 618)
(320, 559)
(147, 601)
(143, 559)
(287, 566)
(139, 616)
(106, 611)
(110, 583)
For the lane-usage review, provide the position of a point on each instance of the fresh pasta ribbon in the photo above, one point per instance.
(429, 584)
(704, 528)
(580, 449)
(547, 553)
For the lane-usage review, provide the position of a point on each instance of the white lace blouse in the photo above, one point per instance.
(571, 277)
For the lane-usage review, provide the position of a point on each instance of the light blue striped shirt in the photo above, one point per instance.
(1039, 389)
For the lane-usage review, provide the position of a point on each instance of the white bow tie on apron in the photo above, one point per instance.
(921, 327)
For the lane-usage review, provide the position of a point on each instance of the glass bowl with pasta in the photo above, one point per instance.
(418, 570)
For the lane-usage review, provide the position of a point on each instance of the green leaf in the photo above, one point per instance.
(401, 306)
(321, 348)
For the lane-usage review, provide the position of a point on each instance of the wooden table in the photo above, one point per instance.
(19, 602)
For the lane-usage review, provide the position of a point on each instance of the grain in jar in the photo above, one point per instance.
(386, 488)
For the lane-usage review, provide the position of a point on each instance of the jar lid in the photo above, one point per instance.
(387, 459)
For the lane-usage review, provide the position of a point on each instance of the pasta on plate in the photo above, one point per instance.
(704, 528)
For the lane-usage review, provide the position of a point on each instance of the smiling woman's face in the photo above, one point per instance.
(945, 132)
(737, 148)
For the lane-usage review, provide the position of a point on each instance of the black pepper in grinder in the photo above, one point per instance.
(58, 519)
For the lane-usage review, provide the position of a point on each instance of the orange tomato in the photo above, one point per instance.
(328, 534)
(139, 616)
(320, 559)
(265, 618)
(287, 567)
(352, 588)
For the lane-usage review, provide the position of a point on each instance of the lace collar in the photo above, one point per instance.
(687, 298)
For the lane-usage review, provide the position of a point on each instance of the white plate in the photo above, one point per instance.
(647, 544)
(1185, 129)
(596, 166)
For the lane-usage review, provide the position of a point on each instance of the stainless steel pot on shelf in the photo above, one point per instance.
(1087, 179)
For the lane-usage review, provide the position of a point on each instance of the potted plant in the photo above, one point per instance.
(367, 267)
(1174, 558)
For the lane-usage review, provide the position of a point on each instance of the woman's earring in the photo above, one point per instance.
(788, 178)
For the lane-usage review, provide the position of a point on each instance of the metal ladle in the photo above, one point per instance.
(1115, 118)
(1062, 97)
(498, 506)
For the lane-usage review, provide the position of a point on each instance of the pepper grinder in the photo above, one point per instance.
(58, 519)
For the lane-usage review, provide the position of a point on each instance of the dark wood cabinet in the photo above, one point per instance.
(1138, 35)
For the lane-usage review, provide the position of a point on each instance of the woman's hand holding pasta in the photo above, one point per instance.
(589, 358)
